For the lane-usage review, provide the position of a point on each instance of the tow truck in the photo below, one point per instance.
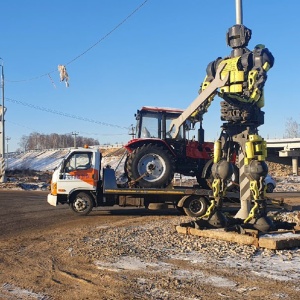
(81, 182)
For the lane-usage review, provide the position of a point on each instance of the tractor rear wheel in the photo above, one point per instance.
(150, 166)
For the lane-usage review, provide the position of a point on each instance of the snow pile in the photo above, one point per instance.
(45, 160)
(48, 160)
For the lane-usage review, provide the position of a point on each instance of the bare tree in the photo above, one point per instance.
(24, 142)
(46, 141)
(292, 129)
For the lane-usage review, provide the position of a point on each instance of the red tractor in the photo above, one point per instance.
(155, 154)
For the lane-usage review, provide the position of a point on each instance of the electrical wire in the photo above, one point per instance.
(49, 110)
(87, 50)
(20, 125)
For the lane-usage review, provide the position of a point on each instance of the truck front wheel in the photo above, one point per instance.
(82, 204)
(150, 166)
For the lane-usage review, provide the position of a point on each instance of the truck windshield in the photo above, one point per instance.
(78, 161)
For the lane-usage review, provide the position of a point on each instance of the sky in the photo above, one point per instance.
(118, 62)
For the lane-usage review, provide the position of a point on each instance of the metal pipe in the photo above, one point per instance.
(3, 179)
(239, 11)
(2, 117)
(7, 139)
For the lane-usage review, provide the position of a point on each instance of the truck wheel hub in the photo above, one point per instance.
(80, 204)
(195, 206)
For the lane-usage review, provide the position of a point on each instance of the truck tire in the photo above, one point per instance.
(82, 204)
(150, 166)
(195, 206)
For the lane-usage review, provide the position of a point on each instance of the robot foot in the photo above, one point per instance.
(262, 223)
(217, 220)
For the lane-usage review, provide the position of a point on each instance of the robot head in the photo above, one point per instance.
(238, 36)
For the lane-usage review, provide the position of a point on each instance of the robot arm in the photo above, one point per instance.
(263, 60)
(210, 74)
(201, 101)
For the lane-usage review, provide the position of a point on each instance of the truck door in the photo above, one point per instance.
(79, 172)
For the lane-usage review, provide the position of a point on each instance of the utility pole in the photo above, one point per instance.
(75, 134)
(245, 193)
(239, 11)
(7, 139)
(2, 142)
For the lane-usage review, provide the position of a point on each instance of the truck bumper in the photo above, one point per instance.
(52, 200)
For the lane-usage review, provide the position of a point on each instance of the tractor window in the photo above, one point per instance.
(149, 127)
(180, 134)
(78, 161)
(156, 124)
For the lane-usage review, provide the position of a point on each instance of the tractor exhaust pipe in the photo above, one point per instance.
(201, 135)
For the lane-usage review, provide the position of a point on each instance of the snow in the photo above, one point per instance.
(46, 160)
(132, 263)
(10, 290)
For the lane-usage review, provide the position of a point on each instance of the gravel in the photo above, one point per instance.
(152, 245)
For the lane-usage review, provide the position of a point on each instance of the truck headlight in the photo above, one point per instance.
(53, 188)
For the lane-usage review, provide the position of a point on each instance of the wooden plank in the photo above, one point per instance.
(291, 207)
(219, 234)
(279, 241)
(275, 241)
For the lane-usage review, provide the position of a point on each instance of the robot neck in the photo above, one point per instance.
(238, 52)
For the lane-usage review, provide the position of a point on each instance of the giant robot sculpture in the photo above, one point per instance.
(243, 95)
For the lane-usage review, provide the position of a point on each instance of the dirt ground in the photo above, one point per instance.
(47, 253)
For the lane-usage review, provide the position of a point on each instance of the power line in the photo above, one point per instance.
(109, 33)
(63, 114)
(20, 125)
(87, 50)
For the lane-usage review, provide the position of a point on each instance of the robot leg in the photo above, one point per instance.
(221, 170)
(256, 170)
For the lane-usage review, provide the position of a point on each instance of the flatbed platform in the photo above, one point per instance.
(110, 187)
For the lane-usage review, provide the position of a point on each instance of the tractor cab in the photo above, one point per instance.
(154, 122)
